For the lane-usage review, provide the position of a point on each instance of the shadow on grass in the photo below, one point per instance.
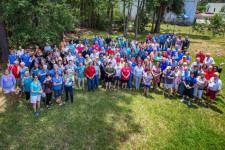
(96, 120)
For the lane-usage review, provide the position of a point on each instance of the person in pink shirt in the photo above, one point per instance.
(96, 46)
(79, 48)
(152, 54)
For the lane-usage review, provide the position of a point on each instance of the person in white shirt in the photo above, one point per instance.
(94, 55)
(208, 59)
(138, 74)
(118, 69)
(154, 45)
(20, 52)
(214, 87)
(134, 43)
(112, 60)
(67, 47)
(70, 57)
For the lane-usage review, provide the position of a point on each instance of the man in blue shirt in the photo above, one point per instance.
(95, 39)
(12, 57)
(169, 34)
(127, 50)
(55, 68)
(168, 76)
(86, 41)
(101, 40)
(71, 66)
(184, 75)
(47, 48)
(79, 59)
(162, 39)
(178, 55)
(72, 46)
(189, 84)
(25, 58)
(173, 51)
(155, 38)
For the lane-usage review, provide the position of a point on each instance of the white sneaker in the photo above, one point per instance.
(182, 100)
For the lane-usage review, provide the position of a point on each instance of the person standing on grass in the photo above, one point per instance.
(48, 87)
(26, 81)
(22, 69)
(69, 84)
(156, 72)
(168, 76)
(138, 74)
(90, 73)
(118, 69)
(97, 74)
(109, 73)
(8, 84)
(201, 84)
(57, 86)
(15, 70)
(214, 87)
(190, 83)
(35, 70)
(147, 80)
(35, 94)
(129, 65)
(162, 39)
(25, 58)
(176, 81)
(125, 76)
(80, 75)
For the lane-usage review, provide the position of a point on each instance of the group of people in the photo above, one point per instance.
(112, 63)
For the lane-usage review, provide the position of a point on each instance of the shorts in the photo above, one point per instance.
(27, 95)
(211, 94)
(148, 86)
(10, 90)
(125, 81)
(35, 99)
(167, 85)
(189, 92)
(175, 85)
(18, 81)
(117, 78)
(108, 79)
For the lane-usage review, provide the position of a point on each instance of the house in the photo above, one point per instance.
(214, 7)
(186, 18)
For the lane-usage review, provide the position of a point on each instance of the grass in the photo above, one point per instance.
(119, 119)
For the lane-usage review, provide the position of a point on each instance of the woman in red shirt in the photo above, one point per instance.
(209, 73)
(125, 72)
(90, 73)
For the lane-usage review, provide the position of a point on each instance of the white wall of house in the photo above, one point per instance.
(215, 7)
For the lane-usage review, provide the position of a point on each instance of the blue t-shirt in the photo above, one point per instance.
(52, 72)
(79, 60)
(27, 83)
(25, 58)
(86, 41)
(35, 71)
(36, 87)
(155, 38)
(162, 38)
(57, 80)
(12, 58)
(47, 48)
(190, 81)
(43, 77)
(96, 70)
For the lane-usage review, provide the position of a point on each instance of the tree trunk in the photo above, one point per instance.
(111, 20)
(124, 17)
(136, 20)
(128, 18)
(153, 21)
(159, 17)
(4, 45)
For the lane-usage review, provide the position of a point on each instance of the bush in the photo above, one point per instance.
(201, 8)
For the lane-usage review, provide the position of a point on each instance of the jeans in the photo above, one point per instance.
(67, 91)
(182, 88)
(96, 81)
(80, 80)
(57, 93)
(90, 84)
(161, 45)
(137, 81)
(130, 81)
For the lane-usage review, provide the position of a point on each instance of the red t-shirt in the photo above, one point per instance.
(79, 49)
(117, 59)
(209, 75)
(137, 61)
(201, 56)
(125, 72)
(110, 52)
(14, 69)
(90, 71)
(165, 56)
(149, 37)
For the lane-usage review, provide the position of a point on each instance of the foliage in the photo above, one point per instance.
(199, 27)
(36, 22)
(223, 9)
(217, 24)
(201, 8)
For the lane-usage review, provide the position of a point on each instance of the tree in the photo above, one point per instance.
(111, 18)
(4, 45)
(216, 24)
(31, 22)
(136, 19)
(127, 16)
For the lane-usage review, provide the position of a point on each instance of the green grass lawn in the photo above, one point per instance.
(120, 119)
